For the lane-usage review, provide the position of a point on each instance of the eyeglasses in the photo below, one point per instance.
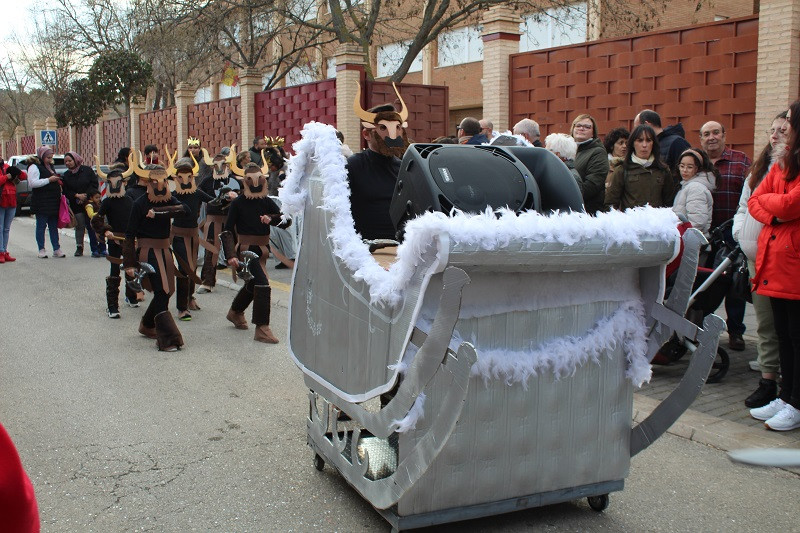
(583, 126)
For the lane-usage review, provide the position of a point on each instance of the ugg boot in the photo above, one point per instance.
(208, 274)
(10, 259)
(112, 296)
(2, 257)
(262, 298)
(238, 305)
(168, 337)
(147, 325)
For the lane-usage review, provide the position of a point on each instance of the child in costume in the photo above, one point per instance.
(250, 217)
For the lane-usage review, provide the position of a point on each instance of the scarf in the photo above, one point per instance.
(78, 162)
(42, 152)
(644, 162)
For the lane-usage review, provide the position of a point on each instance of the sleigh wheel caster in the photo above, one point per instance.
(598, 503)
(319, 462)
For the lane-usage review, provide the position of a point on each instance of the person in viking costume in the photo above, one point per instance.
(224, 187)
(111, 221)
(185, 239)
(250, 217)
(372, 173)
(149, 229)
(197, 152)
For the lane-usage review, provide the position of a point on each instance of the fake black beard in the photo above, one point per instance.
(158, 197)
(115, 192)
(389, 151)
(185, 188)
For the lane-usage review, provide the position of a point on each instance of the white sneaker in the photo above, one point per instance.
(43, 253)
(112, 314)
(204, 289)
(59, 253)
(755, 366)
(768, 411)
(788, 418)
(131, 303)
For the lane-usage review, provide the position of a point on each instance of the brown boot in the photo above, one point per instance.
(262, 298)
(238, 305)
(150, 333)
(145, 327)
(208, 274)
(169, 338)
(264, 334)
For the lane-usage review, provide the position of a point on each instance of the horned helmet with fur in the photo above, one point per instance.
(386, 126)
(254, 178)
(157, 179)
(182, 172)
(116, 178)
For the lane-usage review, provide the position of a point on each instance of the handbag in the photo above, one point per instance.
(740, 280)
(66, 218)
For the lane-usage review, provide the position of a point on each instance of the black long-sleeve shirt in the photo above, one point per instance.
(157, 227)
(244, 215)
(213, 187)
(372, 178)
(117, 211)
(192, 201)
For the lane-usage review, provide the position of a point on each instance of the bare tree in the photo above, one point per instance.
(255, 34)
(20, 104)
(417, 24)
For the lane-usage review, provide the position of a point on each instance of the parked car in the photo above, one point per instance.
(23, 187)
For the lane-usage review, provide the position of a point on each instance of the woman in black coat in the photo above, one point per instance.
(45, 198)
(78, 180)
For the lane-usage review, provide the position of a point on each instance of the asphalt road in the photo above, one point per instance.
(117, 436)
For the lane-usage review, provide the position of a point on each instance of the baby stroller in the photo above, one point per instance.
(712, 284)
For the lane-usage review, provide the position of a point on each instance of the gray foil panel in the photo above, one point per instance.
(510, 441)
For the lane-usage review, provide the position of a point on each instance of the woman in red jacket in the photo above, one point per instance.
(776, 204)
(9, 177)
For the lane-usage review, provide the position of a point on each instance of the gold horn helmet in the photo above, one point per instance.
(116, 177)
(157, 181)
(387, 126)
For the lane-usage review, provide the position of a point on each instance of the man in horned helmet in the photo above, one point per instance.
(224, 187)
(111, 220)
(250, 217)
(149, 229)
(185, 239)
(373, 172)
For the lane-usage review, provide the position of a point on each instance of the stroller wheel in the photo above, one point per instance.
(720, 366)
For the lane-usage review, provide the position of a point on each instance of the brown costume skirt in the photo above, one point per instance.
(164, 262)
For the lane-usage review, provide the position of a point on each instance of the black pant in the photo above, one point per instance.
(787, 326)
(114, 250)
(259, 276)
(160, 301)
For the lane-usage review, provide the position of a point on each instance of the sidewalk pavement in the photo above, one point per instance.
(717, 418)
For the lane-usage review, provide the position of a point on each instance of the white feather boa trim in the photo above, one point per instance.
(409, 422)
(486, 230)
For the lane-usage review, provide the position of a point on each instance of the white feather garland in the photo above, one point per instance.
(415, 414)
(486, 230)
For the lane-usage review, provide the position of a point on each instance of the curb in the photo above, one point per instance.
(717, 432)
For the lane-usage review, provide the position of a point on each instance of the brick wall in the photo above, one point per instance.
(159, 127)
(283, 112)
(429, 114)
(28, 144)
(217, 124)
(62, 135)
(690, 75)
(116, 135)
(87, 143)
(11, 148)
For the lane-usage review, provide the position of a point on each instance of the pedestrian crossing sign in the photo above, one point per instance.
(49, 137)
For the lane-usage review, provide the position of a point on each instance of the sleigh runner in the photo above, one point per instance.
(510, 347)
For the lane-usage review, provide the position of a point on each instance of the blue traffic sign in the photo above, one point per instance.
(49, 137)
